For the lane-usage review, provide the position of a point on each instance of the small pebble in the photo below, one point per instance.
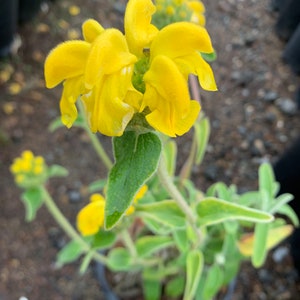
(279, 254)
(74, 196)
(270, 96)
(286, 105)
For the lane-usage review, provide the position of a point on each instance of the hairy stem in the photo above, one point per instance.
(168, 183)
(67, 227)
(129, 242)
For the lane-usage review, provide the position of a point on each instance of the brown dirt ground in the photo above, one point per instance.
(247, 128)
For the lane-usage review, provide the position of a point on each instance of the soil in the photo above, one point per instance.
(253, 119)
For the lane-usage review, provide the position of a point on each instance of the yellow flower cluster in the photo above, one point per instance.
(27, 166)
(170, 11)
(140, 75)
(91, 218)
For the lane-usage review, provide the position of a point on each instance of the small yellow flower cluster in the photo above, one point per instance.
(91, 217)
(27, 167)
(170, 11)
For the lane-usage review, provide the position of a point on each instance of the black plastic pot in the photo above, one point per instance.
(8, 25)
(28, 9)
(291, 53)
(288, 19)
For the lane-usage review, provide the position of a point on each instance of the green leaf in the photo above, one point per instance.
(181, 240)
(202, 132)
(209, 56)
(286, 210)
(170, 152)
(165, 212)
(154, 226)
(275, 236)
(280, 201)
(175, 287)
(152, 289)
(213, 282)
(57, 123)
(147, 245)
(33, 200)
(119, 259)
(249, 198)
(267, 180)
(57, 171)
(231, 258)
(69, 253)
(194, 267)
(220, 190)
(86, 262)
(212, 210)
(97, 186)
(260, 249)
(103, 239)
(137, 157)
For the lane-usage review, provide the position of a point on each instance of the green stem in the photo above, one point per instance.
(67, 227)
(129, 242)
(168, 183)
(186, 170)
(95, 141)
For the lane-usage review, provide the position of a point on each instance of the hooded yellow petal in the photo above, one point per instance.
(184, 124)
(195, 64)
(91, 29)
(168, 99)
(72, 89)
(109, 54)
(105, 107)
(68, 111)
(180, 39)
(139, 31)
(65, 61)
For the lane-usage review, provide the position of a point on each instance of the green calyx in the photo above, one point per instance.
(140, 68)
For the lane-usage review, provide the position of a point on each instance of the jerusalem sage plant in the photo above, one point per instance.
(134, 87)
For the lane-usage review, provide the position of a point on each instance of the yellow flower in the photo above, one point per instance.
(91, 218)
(139, 31)
(98, 69)
(144, 71)
(28, 169)
(167, 96)
(186, 54)
(170, 62)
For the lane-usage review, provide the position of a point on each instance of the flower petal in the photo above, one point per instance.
(91, 218)
(195, 64)
(139, 31)
(192, 38)
(168, 99)
(184, 124)
(91, 29)
(106, 110)
(109, 54)
(65, 61)
(73, 87)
